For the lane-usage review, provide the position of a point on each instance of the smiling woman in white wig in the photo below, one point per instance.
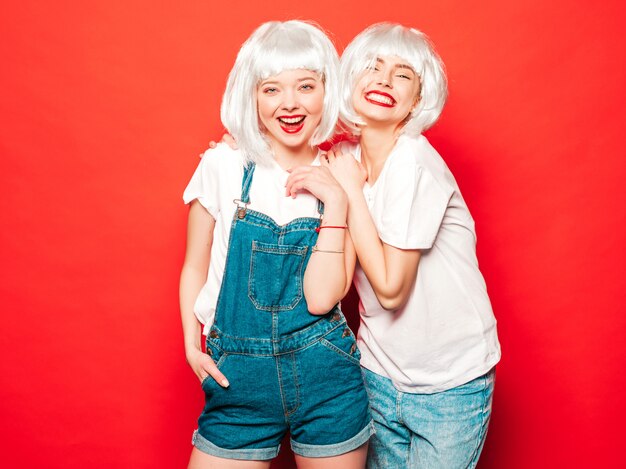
(264, 273)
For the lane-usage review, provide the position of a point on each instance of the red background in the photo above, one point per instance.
(105, 107)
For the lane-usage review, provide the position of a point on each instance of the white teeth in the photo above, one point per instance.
(291, 120)
(379, 98)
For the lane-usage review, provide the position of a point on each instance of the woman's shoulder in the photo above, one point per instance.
(222, 160)
(223, 154)
(415, 155)
(418, 150)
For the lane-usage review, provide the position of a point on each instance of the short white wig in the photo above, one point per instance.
(387, 39)
(271, 49)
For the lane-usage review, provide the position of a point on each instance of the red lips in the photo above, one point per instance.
(291, 124)
(380, 98)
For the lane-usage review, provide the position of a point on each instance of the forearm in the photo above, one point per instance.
(390, 282)
(367, 244)
(192, 280)
(193, 276)
(327, 278)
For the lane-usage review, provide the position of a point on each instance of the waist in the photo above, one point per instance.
(277, 345)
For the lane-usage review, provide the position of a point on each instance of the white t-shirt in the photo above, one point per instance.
(216, 183)
(445, 335)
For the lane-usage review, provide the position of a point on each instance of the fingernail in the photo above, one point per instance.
(225, 383)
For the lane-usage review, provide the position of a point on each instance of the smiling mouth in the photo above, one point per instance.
(291, 124)
(380, 99)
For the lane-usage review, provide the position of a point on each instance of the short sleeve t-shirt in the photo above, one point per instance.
(216, 183)
(445, 335)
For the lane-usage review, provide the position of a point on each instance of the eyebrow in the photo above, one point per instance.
(263, 83)
(408, 67)
(404, 66)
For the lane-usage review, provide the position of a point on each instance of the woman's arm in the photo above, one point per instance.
(390, 271)
(350, 261)
(329, 272)
(193, 276)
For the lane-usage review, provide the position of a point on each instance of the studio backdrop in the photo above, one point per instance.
(105, 106)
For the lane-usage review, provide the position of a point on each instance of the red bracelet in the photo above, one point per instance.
(331, 226)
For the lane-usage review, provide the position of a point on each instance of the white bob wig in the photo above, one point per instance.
(387, 39)
(271, 49)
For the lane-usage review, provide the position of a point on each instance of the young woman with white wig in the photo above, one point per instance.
(428, 334)
(264, 272)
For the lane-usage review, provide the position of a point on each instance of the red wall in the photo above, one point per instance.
(105, 107)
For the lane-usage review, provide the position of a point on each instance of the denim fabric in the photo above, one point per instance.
(444, 430)
(288, 369)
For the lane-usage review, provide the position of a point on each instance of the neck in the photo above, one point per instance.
(290, 157)
(376, 145)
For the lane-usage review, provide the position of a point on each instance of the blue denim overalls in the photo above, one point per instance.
(288, 370)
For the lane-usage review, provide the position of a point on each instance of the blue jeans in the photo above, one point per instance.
(444, 430)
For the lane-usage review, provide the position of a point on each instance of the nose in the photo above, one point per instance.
(290, 101)
(386, 78)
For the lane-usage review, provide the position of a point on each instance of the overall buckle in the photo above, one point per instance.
(241, 208)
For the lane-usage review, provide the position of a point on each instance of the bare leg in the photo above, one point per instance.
(355, 459)
(200, 460)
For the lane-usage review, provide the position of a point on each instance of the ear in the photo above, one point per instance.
(415, 103)
(418, 94)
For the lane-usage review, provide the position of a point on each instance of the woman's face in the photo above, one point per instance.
(386, 92)
(290, 107)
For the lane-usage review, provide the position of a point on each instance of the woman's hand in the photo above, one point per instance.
(348, 172)
(318, 181)
(203, 366)
(227, 139)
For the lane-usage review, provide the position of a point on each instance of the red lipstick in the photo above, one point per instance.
(291, 124)
(380, 98)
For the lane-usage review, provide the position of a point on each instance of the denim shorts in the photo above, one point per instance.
(428, 431)
(309, 384)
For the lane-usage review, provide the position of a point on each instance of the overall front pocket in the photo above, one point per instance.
(275, 282)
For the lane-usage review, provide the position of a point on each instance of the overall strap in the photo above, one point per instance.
(246, 182)
(320, 207)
